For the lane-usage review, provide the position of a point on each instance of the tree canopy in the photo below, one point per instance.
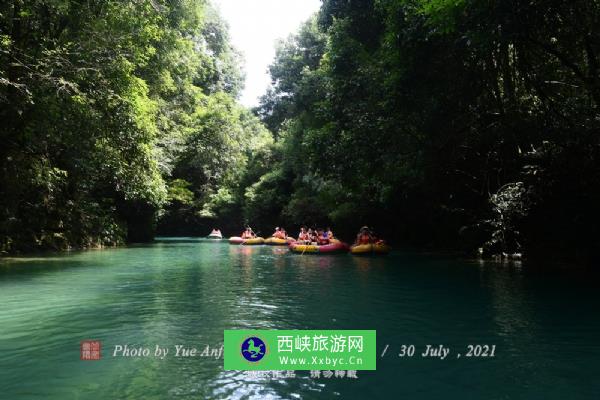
(103, 104)
(445, 124)
(448, 124)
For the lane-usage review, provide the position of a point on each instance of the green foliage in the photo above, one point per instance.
(223, 70)
(442, 15)
(443, 123)
(224, 150)
(179, 192)
(102, 102)
(430, 116)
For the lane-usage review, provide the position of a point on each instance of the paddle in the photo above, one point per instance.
(305, 247)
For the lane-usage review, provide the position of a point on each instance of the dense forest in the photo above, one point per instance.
(116, 114)
(444, 124)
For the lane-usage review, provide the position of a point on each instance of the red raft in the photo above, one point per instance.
(334, 247)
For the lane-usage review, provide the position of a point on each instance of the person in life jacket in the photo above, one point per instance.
(279, 233)
(303, 235)
(329, 233)
(248, 234)
(364, 236)
(322, 238)
(312, 235)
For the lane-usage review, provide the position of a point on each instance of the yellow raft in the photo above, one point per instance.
(276, 241)
(239, 240)
(366, 249)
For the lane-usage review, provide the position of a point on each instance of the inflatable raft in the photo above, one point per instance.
(367, 249)
(272, 241)
(214, 236)
(334, 247)
(239, 240)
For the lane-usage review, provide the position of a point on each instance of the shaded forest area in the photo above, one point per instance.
(444, 124)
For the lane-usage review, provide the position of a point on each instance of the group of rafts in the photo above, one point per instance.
(311, 241)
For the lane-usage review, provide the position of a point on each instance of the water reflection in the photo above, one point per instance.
(513, 313)
(366, 262)
(239, 385)
(187, 292)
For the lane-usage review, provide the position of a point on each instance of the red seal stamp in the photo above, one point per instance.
(90, 350)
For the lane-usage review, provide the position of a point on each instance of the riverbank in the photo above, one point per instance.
(493, 262)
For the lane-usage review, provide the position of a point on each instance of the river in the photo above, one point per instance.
(545, 324)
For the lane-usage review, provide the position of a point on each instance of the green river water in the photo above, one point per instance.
(545, 325)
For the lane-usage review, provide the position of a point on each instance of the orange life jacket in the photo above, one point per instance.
(303, 236)
(364, 239)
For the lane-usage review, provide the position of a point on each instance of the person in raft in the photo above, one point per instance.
(311, 235)
(329, 233)
(314, 235)
(248, 234)
(279, 233)
(322, 237)
(216, 231)
(364, 236)
(303, 235)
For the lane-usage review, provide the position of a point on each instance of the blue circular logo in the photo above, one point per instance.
(253, 349)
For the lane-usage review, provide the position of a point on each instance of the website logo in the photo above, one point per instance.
(296, 350)
(253, 349)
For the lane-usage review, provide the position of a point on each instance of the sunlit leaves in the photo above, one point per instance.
(100, 99)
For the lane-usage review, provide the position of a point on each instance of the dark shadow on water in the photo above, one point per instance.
(29, 268)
